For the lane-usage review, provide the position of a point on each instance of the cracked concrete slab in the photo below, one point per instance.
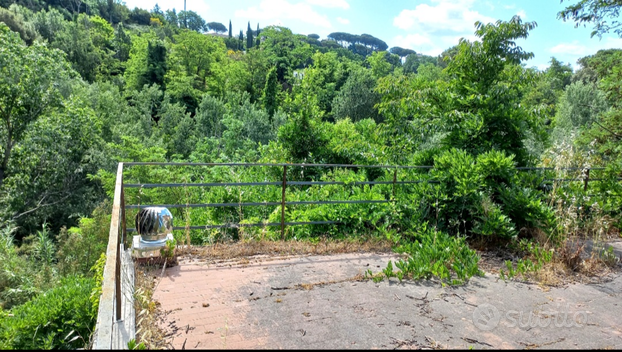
(309, 302)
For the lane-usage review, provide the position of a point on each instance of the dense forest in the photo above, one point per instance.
(87, 84)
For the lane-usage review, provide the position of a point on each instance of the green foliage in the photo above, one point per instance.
(270, 93)
(436, 254)
(414, 61)
(98, 277)
(357, 98)
(596, 12)
(61, 318)
(132, 345)
(485, 196)
(17, 23)
(79, 247)
(29, 86)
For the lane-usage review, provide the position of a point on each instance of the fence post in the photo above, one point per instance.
(587, 179)
(283, 203)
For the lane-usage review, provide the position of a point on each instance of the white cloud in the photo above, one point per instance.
(200, 7)
(278, 10)
(452, 16)
(575, 50)
(343, 4)
(438, 25)
(522, 14)
(343, 20)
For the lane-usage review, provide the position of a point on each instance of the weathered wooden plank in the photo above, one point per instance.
(125, 330)
(102, 337)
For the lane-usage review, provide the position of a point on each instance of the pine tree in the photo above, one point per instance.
(249, 37)
(230, 31)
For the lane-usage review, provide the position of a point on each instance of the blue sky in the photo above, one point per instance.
(428, 26)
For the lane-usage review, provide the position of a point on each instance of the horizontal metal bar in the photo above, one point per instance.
(222, 205)
(578, 179)
(235, 184)
(224, 184)
(208, 205)
(338, 202)
(333, 165)
(276, 164)
(561, 168)
(235, 226)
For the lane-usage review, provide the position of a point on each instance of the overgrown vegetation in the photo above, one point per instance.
(85, 85)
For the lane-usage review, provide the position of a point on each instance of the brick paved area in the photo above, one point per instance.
(308, 302)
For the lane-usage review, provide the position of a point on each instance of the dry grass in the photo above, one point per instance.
(243, 249)
(147, 312)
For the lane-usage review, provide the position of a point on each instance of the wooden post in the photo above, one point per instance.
(587, 179)
(283, 203)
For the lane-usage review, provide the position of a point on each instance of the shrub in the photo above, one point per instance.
(436, 254)
(61, 318)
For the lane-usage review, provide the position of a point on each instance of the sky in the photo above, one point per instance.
(428, 27)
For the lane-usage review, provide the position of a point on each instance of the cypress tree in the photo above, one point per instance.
(240, 44)
(257, 41)
(230, 31)
(249, 37)
(270, 93)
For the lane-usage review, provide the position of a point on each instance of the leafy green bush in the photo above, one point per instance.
(485, 195)
(436, 254)
(61, 318)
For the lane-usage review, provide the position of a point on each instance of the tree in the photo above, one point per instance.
(48, 23)
(210, 114)
(477, 109)
(380, 67)
(357, 98)
(270, 102)
(147, 61)
(596, 12)
(216, 27)
(157, 11)
(413, 61)
(192, 21)
(249, 37)
(258, 40)
(29, 85)
(230, 31)
(172, 18)
(122, 44)
(140, 16)
(49, 181)
(559, 73)
(401, 52)
(323, 79)
(17, 23)
(241, 39)
(156, 63)
(199, 58)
